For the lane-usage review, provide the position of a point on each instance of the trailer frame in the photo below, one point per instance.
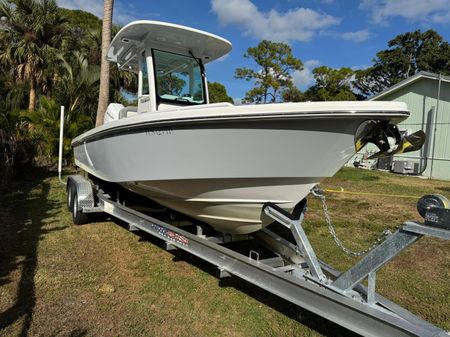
(308, 282)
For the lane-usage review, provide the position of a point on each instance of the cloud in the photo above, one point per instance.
(442, 17)
(304, 78)
(123, 12)
(358, 36)
(299, 24)
(437, 11)
(121, 17)
(223, 58)
(360, 67)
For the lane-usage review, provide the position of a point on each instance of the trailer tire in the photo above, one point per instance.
(69, 197)
(78, 217)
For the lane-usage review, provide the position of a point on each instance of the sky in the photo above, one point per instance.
(334, 33)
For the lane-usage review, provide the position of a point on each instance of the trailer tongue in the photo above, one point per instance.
(295, 273)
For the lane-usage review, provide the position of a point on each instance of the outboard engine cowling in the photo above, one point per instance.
(112, 112)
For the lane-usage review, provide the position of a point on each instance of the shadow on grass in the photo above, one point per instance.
(25, 208)
(75, 333)
(305, 317)
(444, 189)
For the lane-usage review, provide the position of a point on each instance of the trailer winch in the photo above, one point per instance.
(435, 209)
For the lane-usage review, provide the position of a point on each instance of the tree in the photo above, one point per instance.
(293, 94)
(77, 83)
(37, 34)
(218, 93)
(407, 54)
(170, 84)
(48, 57)
(86, 34)
(104, 70)
(7, 135)
(45, 132)
(82, 21)
(276, 63)
(331, 85)
(119, 80)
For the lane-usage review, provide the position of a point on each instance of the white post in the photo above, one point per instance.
(435, 124)
(61, 143)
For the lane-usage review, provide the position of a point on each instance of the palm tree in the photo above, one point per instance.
(104, 67)
(36, 35)
(45, 133)
(77, 82)
(119, 80)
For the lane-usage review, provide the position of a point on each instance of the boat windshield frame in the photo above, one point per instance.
(186, 99)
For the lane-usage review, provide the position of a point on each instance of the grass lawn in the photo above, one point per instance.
(57, 279)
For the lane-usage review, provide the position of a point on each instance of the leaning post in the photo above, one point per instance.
(61, 143)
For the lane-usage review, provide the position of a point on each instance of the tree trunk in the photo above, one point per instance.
(32, 98)
(103, 95)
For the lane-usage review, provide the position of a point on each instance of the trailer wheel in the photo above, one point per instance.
(78, 217)
(69, 197)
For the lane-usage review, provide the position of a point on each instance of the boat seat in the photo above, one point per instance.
(128, 111)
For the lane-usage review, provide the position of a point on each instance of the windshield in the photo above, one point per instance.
(145, 87)
(178, 78)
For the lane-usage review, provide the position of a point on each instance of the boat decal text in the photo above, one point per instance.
(159, 132)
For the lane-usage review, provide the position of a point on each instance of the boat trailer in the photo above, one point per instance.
(295, 274)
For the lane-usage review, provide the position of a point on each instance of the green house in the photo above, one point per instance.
(428, 98)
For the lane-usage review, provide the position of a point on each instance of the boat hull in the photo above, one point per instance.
(229, 205)
(223, 172)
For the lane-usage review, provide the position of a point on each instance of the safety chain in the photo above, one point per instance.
(318, 192)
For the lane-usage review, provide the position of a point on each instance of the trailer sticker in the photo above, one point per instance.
(172, 236)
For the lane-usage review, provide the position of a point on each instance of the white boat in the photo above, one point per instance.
(220, 163)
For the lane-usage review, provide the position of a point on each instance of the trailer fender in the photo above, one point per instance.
(84, 190)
